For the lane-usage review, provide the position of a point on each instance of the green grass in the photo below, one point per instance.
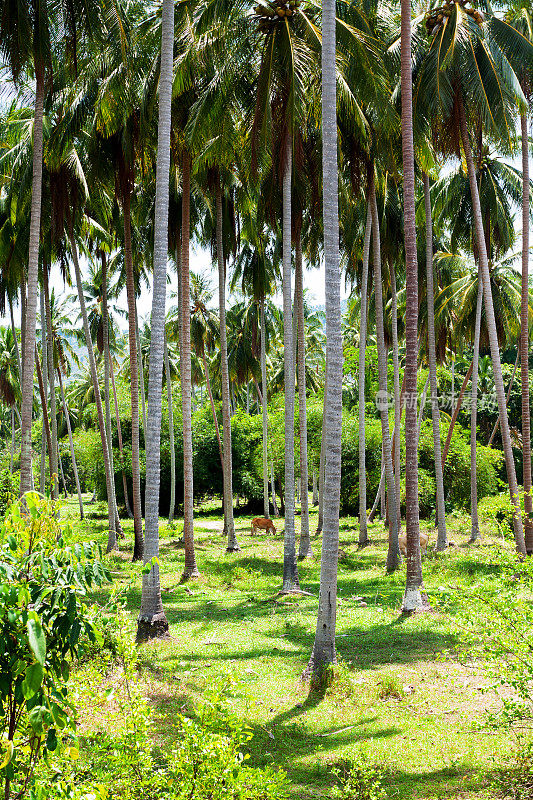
(403, 693)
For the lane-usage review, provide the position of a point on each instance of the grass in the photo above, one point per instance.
(403, 692)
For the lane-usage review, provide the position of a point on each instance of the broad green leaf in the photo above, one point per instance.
(36, 639)
(32, 680)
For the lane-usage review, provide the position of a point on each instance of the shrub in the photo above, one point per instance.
(9, 489)
(358, 779)
(42, 614)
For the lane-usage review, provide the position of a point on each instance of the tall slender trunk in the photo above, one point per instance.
(26, 471)
(273, 486)
(170, 438)
(264, 408)
(140, 370)
(62, 473)
(363, 527)
(23, 306)
(315, 487)
(493, 334)
(71, 443)
(44, 447)
(15, 337)
(51, 381)
(190, 569)
(227, 469)
(44, 403)
(152, 620)
(120, 442)
(524, 341)
(422, 408)
(393, 555)
(507, 396)
(305, 539)
(473, 417)
(215, 420)
(290, 566)
(396, 371)
(322, 463)
(12, 452)
(412, 598)
(324, 645)
(135, 376)
(109, 477)
(106, 354)
(442, 539)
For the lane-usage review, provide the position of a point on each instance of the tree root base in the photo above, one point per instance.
(155, 628)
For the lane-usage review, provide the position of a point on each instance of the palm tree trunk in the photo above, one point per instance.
(120, 442)
(135, 376)
(51, 382)
(12, 453)
(473, 417)
(493, 335)
(315, 488)
(109, 477)
(524, 341)
(107, 403)
(227, 468)
(396, 370)
(507, 396)
(442, 539)
(363, 527)
(290, 566)
(190, 568)
(273, 486)
(393, 555)
(170, 439)
(44, 448)
(412, 598)
(71, 443)
(324, 645)
(264, 408)
(62, 473)
(44, 405)
(215, 420)
(305, 550)
(26, 471)
(321, 466)
(15, 337)
(152, 620)
(141, 370)
(422, 408)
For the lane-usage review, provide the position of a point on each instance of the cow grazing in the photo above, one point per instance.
(262, 524)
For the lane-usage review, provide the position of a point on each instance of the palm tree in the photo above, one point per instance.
(229, 524)
(24, 35)
(412, 598)
(324, 646)
(465, 56)
(435, 415)
(393, 555)
(152, 620)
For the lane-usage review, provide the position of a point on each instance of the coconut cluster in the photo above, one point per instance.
(436, 18)
(278, 9)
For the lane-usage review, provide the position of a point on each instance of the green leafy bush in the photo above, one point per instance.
(358, 779)
(9, 489)
(42, 615)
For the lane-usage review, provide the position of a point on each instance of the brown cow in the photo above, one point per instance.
(263, 524)
(402, 541)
